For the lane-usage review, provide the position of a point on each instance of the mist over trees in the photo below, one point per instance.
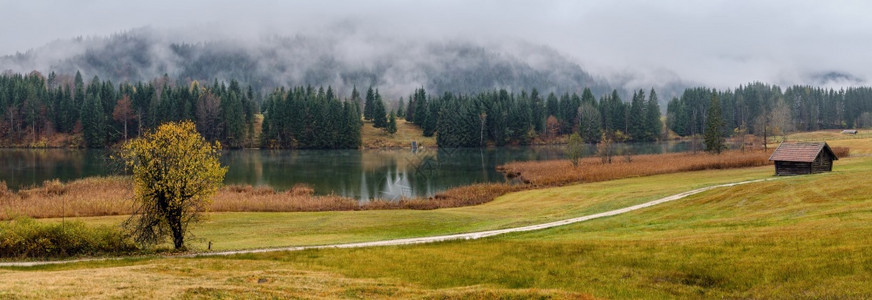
(339, 59)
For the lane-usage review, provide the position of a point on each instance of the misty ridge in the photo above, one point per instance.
(339, 58)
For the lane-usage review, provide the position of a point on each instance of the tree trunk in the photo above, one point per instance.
(178, 236)
(176, 226)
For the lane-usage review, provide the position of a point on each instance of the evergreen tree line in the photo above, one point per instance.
(303, 118)
(503, 118)
(33, 107)
(763, 109)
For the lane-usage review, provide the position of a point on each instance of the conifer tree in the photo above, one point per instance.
(379, 114)
(421, 112)
(552, 107)
(537, 110)
(429, 125)
(714, 127)
(93, 122)
(636, 117)
(79, 90)
(352, 126)
(653, 126)
(355, 98)
(401, 109)
(369, 106)
(391, 126)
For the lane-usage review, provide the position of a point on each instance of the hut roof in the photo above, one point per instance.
(800, 151)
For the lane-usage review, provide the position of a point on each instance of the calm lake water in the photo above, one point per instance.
(361, 174)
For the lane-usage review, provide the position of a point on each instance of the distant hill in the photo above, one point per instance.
(341, 60)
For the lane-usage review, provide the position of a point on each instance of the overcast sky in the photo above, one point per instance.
(718, 43)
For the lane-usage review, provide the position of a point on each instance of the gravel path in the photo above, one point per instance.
(423, 240)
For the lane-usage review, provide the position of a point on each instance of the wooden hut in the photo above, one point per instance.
(795, 158)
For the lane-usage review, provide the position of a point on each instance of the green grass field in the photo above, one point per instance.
(796, 237)
(801, 237)
(245, 230)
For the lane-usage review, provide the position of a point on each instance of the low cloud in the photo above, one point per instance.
(633, 44)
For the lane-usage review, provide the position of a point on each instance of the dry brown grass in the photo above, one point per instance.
(104, 196)
(456, 197)
(376, 138)
(559, 172)
(299, 198)
(475, 194)
(96, 196)
(4, 190)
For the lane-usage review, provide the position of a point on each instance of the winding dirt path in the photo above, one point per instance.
(423, 240)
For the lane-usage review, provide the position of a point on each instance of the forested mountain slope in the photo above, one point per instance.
(340, 60)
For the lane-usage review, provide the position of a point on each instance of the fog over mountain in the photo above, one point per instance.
(341, 58)
(457, 45)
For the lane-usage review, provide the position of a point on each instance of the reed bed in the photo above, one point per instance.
(95, 196)
(236, 198)
(592, 169)
(301, 198)
(106, 196)
(456, 197)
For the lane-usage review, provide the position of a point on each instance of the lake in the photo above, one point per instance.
(360, 174)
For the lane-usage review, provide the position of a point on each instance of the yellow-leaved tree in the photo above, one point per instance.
(175, 173)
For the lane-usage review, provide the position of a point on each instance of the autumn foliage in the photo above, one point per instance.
(175, 172)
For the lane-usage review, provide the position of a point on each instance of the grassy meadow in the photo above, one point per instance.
(795, 237)
(376, 138)
(245, 230)
(801, 237)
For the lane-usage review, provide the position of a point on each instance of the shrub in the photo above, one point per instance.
(841, 152)
(26, 238)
